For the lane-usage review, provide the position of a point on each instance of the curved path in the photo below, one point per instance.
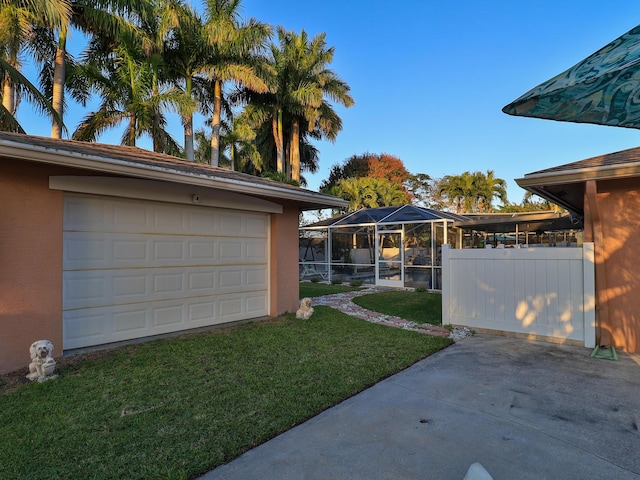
(344, 303)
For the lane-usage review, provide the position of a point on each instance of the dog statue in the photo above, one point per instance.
(42, 363)
(306, 310)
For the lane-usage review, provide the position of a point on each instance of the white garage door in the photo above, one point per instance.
(134, 268)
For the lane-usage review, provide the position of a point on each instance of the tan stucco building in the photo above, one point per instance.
(605, 191)
(102, 244)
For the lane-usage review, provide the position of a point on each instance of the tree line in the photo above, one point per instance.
(378, 180)
(265, 91)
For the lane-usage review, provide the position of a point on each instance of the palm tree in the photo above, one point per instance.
(18, 22)
(369, 192)
(389, 193)
(240, 140)
(489, 187)
(460, 191)
(471, 192)
(23, 86)
(185, 61)
(232, 51)
(357, 191)
(299, 92)
(104, 21)
(125, 85)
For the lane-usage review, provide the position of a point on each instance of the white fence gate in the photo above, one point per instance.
(545, 292)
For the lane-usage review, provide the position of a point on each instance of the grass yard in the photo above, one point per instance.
(310, 289)
(176, 408)
(419, 307)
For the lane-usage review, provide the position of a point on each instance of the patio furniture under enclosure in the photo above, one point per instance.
(397, 246)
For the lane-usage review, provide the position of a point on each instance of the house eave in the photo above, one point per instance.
(306, 199)
(557, 177)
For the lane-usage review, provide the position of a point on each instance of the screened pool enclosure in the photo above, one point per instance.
(387, 246)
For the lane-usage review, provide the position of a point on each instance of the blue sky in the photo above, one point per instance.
(430, 78)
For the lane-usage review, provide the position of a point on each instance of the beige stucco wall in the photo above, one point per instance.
(284, 261)
(31, 221)
(30, 262)
(619, 205)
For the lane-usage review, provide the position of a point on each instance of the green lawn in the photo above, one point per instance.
(178, 407)
(310, 289)
(419, 307)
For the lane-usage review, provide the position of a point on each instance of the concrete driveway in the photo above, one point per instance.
(524, 410)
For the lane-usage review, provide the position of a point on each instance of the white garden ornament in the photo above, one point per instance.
(42, 366)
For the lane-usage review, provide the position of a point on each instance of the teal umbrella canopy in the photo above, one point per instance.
(604, 88)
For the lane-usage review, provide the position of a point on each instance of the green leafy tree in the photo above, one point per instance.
(19, 23)
(297, 104)
(185, 61)
(240, 142)
(355, 166)
(421, 188)
(489, 187)
(232, 55)
(460, 191)
(100, 20)
(368, 192)
(383, 167)
(124, 82)
(531, 203)
(472, 192)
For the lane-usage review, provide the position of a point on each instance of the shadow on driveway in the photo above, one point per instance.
(524, 410)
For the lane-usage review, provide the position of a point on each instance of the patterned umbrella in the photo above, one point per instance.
(604, 88)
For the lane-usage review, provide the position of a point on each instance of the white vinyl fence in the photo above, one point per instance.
(546, 292)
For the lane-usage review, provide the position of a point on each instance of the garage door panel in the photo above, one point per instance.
(133, 250)
(97, 214)
(256, 304)
(128, 216)
(136, 268)
(127, 321)
(257, 278)
(81, 250)
(84, 250)
(255, 251)
(202, 282)
(168, 316)
(100, 325)
(169, 249)
(84, 289)
(257, 225)
(94, 288)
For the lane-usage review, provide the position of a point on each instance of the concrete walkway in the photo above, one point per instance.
(524, 410)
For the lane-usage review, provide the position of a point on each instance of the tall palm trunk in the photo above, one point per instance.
(59, 75)
(133, 120)
(8, 95)
(9, 100)
(158, 146)
(215, 123)
(278, 137)
(187, 121)
(295, 150)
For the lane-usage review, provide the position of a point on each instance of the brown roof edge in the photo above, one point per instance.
(557, 176)
(140, 163)
(624, 163)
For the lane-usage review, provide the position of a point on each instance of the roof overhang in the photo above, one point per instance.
(564, 185)
(137, 163)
